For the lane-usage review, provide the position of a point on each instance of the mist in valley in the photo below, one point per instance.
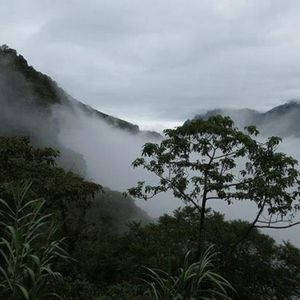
(103, 153)
(109, 152)
(84, 86)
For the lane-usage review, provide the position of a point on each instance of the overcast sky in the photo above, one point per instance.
(158, 62)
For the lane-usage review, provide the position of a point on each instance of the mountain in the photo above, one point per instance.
(32, 104)
(282, 120)
(21, 84)
(28, 99)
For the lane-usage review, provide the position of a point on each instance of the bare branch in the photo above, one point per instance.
(274, 222)
(277, 227)
(213, 198)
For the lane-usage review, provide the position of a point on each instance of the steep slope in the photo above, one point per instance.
(282, 120)
(29, 106)
(104, 213)
(23, 85)
(28, 99)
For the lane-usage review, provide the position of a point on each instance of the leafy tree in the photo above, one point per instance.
(205, 160)
(66, 194)
(85, 215)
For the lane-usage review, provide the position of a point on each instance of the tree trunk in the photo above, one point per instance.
(201, 238)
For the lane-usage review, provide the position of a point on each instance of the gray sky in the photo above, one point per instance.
(158, 62)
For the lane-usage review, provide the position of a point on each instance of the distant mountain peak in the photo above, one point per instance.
(282, 120)
(285, 107)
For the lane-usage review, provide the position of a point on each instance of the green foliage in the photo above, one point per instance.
(67, 195)
(28, 249)
(87, 218)
(107, 253)
(125, 291)
(19, 160)
(28, 87)
(43, 89)
(211, 159)
(113, 211)
(258, 269)
(195, 280)
(77, 287)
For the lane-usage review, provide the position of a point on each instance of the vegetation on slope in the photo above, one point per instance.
(26, 86)
(112, 241)
(109, 261)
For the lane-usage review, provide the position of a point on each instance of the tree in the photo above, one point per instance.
(259, 268)
(67, 195)
(211, 159)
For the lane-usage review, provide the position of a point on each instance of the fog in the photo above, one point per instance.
(88, 145)
(283, 126)
(104, 154)
(109, 152)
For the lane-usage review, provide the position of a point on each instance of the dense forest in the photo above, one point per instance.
(64, 236)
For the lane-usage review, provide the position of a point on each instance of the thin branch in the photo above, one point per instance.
(274, 222)
(252, 225)
(213, 198)
(184, 196)
(277, 227)
(225, 155)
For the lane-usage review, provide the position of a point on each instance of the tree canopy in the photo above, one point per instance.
(212, 159)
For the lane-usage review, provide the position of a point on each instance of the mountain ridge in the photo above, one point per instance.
(33, 105)
(48, 92)
(282, 120)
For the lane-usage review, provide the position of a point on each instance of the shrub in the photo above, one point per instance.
(193, 281)
(28, 249)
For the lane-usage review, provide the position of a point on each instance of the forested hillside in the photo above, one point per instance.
(22, 85)
(27, 101)
(63, 235)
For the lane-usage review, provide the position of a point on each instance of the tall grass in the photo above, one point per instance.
(194, 281)
(28, 248)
